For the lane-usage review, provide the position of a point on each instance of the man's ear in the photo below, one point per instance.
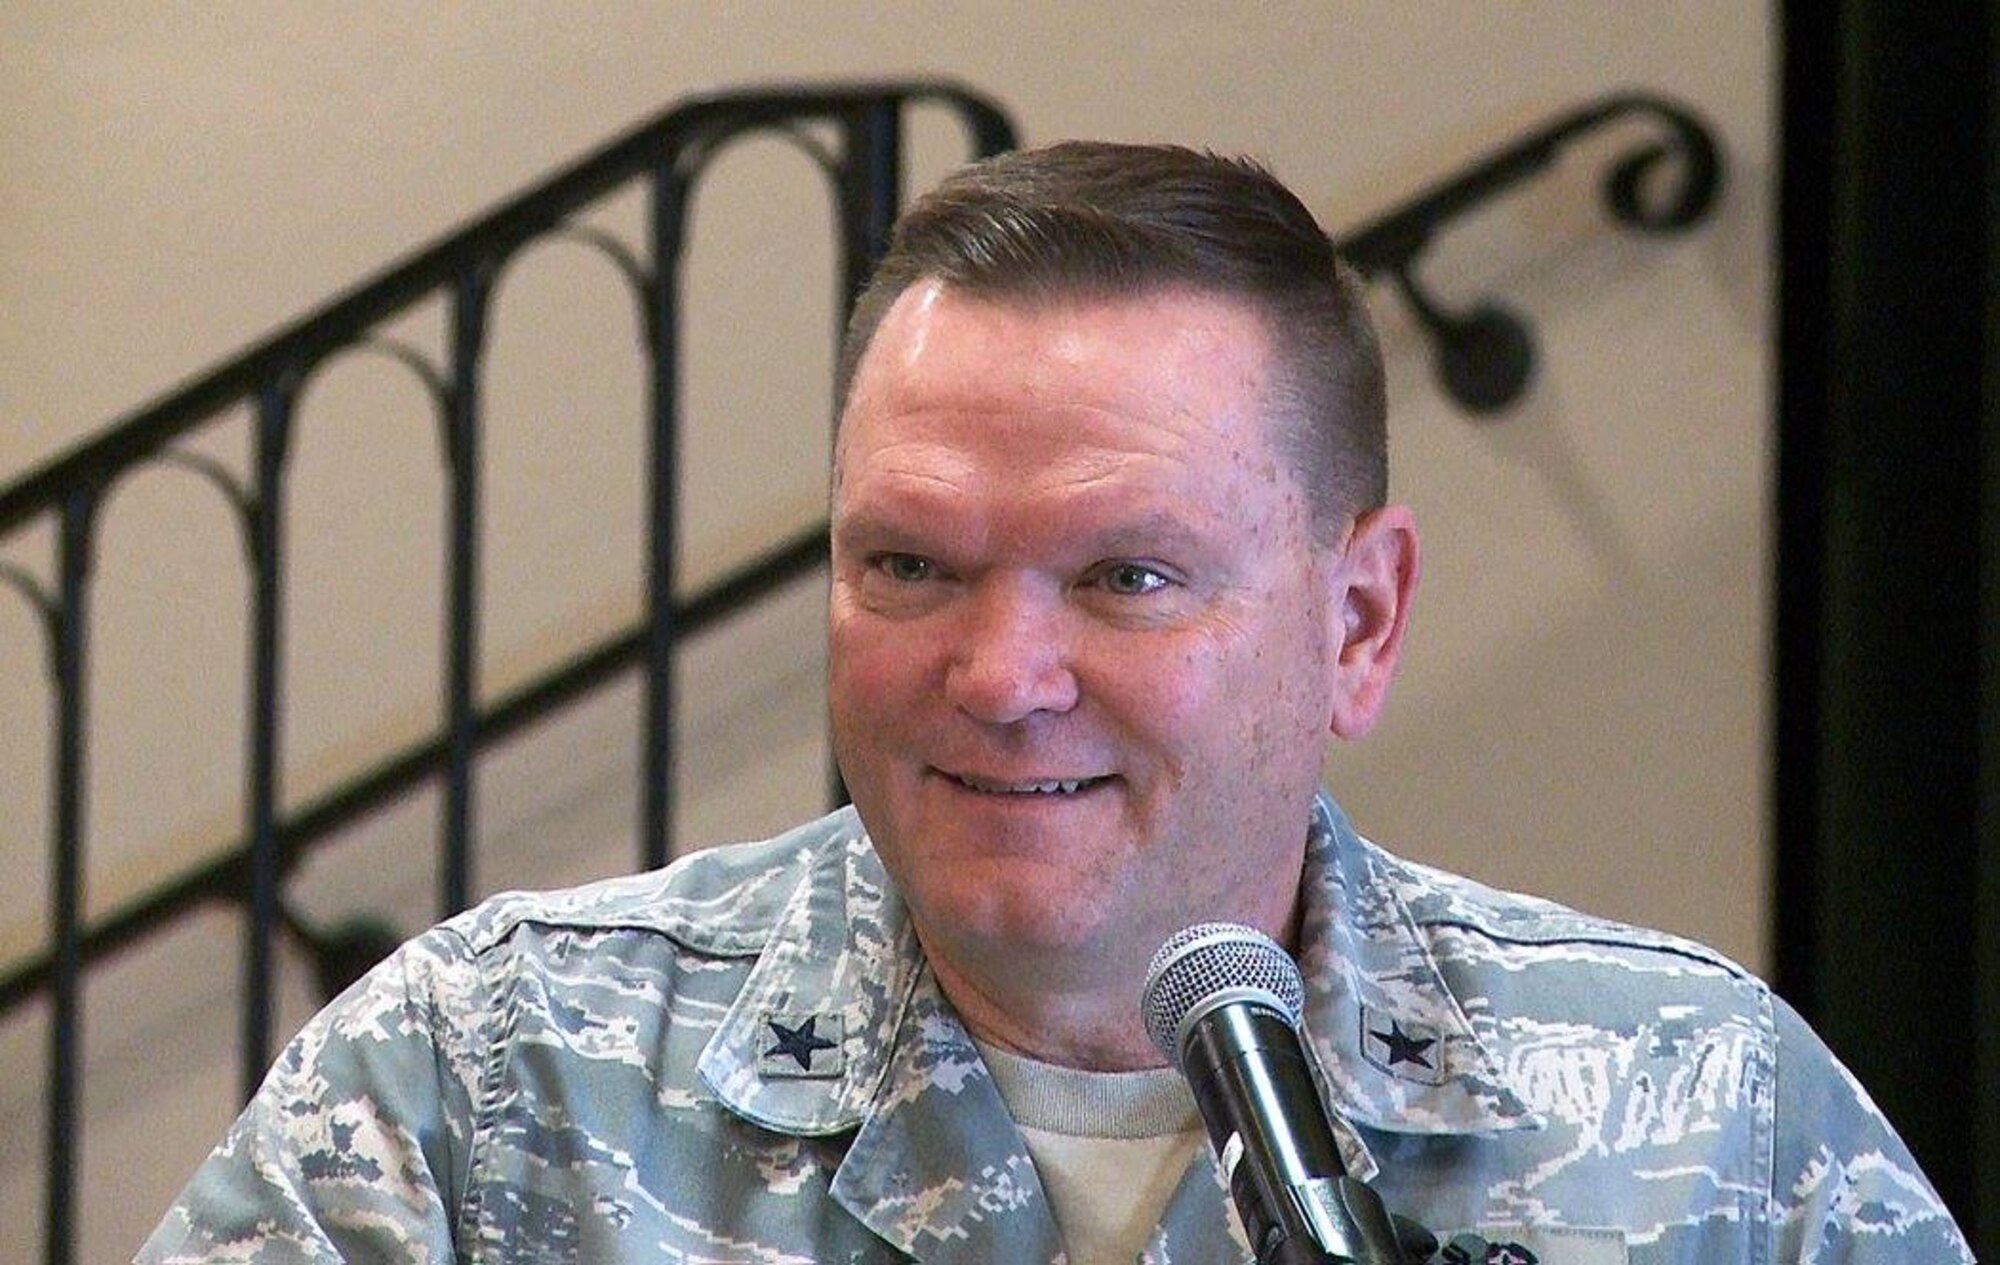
(1375, 582)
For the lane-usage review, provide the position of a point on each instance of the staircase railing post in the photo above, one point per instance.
(672, 180)
(265, 513)
(67, 874)
(470, 293)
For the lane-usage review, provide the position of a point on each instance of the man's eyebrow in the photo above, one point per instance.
(917, 514)
(1151, 531)
(876, 514)
(876, 526)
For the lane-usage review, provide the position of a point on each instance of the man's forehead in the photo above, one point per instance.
(1098, 411)
(1196, 308)
(1161, 344)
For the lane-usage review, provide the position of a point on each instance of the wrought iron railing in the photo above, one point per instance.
(1485, 359)
(864, 164)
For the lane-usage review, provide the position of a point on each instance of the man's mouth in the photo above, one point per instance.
(1043, 786)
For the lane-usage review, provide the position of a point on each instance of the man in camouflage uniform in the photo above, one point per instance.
(1111, 560)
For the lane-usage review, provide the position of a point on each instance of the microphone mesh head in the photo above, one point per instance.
(1208, 958)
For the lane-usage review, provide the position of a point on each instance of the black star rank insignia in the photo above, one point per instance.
(1408, 1051)
(803, 1045)
(1404, 1048)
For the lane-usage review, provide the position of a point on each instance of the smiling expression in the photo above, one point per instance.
(1083, 638)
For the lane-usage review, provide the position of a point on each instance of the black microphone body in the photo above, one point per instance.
(1238, 1046)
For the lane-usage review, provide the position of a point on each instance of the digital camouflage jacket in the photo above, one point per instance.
(743, 1058)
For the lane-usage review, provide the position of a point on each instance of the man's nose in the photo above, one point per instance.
(1012, 657)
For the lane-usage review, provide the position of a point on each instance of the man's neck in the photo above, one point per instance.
(1076, 1005)
(1040, 1015)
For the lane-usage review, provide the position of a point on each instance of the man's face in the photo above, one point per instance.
(1083, 641)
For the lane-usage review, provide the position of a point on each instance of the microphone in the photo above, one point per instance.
(1223, 1002)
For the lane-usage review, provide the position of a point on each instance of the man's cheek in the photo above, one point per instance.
(1177, 691)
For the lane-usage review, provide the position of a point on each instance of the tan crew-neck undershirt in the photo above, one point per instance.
(1109, 1147)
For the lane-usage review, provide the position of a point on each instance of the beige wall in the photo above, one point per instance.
(1583, 712)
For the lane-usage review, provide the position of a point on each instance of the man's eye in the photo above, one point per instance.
(905, 568)
(1133, 579)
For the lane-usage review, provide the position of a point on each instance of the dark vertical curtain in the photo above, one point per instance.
(1888, 503)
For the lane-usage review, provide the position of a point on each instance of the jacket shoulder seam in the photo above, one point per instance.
(1637, 941)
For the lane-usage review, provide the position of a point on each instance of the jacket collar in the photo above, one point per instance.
(937, 1167)
(1395, 1048)
(842, 952)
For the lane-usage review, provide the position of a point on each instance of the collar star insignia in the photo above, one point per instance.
(800, 1039)
(1407, 1051)
(1404, 1048)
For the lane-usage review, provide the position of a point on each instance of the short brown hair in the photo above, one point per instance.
(1086, 219)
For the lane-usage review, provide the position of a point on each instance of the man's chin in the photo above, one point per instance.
(1069, 930)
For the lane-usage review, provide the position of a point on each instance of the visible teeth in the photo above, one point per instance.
(1056, 787)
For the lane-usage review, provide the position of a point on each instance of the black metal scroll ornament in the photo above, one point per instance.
(1485, 355)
